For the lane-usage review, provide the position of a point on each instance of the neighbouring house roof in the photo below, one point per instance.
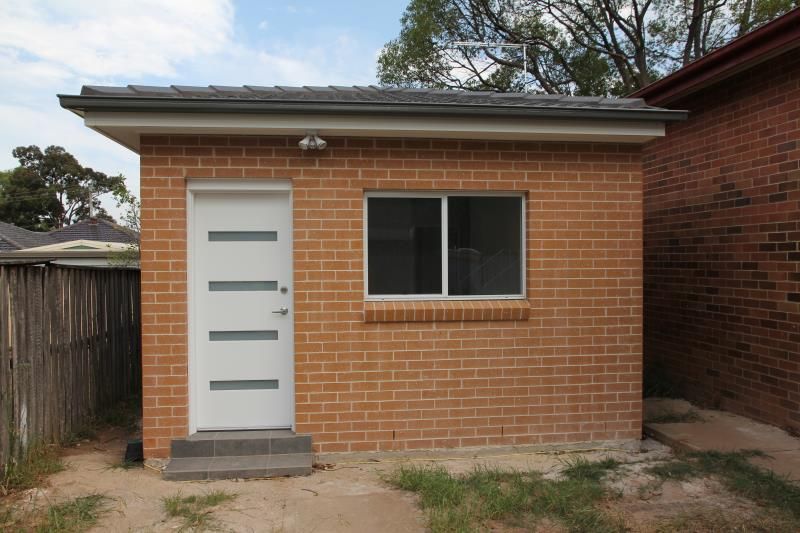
(126, 113)
(770, 40)
(14, 238)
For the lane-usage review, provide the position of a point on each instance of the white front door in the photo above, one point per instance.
(243, 371)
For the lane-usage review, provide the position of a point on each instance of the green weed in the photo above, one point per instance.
(75, 515)
(195, 511)
(738, 475)
(579, 468)
(72, 516)
(38, 462)
(463, 503)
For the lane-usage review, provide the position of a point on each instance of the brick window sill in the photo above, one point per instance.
(445, 310)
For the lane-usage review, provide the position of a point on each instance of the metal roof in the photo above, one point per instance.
(357, 99)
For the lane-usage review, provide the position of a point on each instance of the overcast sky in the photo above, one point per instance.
(48, 47)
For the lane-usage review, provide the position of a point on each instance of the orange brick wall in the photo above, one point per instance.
(565, 366)
(722, 264)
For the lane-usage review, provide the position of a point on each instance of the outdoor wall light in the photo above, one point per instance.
(312, 141)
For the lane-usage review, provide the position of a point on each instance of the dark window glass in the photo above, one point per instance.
(484, 245)
(404, 245)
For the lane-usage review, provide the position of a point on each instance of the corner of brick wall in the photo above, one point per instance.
(722, 264)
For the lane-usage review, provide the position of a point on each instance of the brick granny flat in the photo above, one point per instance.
(722, 228)
(530, 333)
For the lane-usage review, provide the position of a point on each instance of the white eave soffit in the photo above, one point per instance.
(126, 127)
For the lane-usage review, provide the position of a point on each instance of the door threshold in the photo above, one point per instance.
(247, 434)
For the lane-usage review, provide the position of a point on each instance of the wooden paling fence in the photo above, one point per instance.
(69, 347)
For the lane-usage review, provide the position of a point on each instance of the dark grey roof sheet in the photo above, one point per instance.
(367, 94)
(6, 246)
(15, 238)
(103, 231)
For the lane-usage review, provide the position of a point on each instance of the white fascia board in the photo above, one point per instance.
(125, 127)
(103, 246)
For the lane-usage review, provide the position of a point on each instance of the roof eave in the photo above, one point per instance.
(770, 40)
(81, 104)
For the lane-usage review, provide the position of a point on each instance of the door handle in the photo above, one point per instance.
(282, 311)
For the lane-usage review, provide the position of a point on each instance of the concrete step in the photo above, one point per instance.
(240, 454)
(240, 443)
(238, 467)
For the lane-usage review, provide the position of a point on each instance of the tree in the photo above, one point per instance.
(580, 47)
(129, 257)
(131, 210)
(51, 189)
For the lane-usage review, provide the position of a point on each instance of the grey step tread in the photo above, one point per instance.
(248, 466)
(237, 443)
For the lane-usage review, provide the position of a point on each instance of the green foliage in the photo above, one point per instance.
(74, 516)
(581, 47)
(195, 510)
(750, 14)
(738, 475)
(26, 201)
(461, 503)
(38, 462)
(129, 257)
(125, 465)
(5, 176)
(675, 471)
(416, 55)
(51, 189)
(713, 521)
(579, 468)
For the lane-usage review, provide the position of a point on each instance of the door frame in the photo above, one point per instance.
(221, 186)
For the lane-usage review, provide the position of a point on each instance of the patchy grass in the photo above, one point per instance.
(40, 461)
(195, 511)
(676, 418)
(461, 503)
(580, 468)
(738, 476)
(675, 471)
(714, 521)
(72, 516)
(125, 465)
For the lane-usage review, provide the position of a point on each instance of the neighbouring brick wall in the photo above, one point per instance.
(722, 265)
(565, 367)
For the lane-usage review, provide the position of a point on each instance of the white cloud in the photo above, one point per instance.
(119, 38)
(24, 126)
(55, 46)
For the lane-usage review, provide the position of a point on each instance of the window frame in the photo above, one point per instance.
(443, 195)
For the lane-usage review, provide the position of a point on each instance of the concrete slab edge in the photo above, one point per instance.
(652, 431)
(481, 452)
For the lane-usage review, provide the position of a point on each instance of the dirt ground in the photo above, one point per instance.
(351, 497)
